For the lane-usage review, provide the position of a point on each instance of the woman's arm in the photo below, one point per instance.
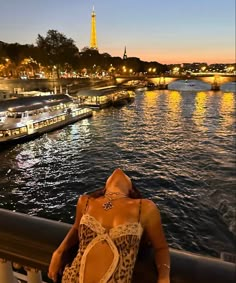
(69, 241)
(154, 230)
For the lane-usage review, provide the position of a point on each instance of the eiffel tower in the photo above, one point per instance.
(93, 36)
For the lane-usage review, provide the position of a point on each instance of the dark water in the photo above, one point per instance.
(179, 148)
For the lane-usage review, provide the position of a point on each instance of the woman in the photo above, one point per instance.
(109, 225)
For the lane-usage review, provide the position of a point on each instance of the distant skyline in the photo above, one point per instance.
(166, 31)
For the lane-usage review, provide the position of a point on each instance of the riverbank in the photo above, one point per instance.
(71, 85)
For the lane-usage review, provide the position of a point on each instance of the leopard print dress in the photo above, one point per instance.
(123, 241)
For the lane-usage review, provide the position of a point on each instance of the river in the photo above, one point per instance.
(178, 147)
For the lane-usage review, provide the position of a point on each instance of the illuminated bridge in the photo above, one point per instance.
(214, 79)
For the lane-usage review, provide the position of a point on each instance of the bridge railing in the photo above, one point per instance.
(27, 243)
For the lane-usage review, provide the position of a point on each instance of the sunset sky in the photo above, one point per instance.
(166, 31)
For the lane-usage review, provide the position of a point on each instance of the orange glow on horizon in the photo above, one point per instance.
(171, 57)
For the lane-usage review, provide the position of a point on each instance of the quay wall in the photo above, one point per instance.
(30, 241)
(72, 85)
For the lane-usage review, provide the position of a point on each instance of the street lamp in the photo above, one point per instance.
(176, 70)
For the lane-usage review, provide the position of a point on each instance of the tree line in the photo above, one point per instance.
(57, 53)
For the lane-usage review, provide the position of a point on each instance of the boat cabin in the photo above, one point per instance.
(103, 97)
(23, 116)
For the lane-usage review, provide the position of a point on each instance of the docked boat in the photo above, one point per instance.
(151, 86)
(123, 97)
(26, 118)
(105, 97)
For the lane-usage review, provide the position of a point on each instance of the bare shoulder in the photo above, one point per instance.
(81, 203)
(80, 208)
(149, 210)
(149, 205)
(83, 199)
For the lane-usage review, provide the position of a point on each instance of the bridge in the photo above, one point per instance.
(214, 79)
(74, 84)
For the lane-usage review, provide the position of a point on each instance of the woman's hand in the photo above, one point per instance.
(55, 266)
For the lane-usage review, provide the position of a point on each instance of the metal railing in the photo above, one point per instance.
(27, 243)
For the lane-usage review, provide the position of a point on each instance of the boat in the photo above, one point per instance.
(105, 97)
(29, 117)
(151, 86)
(123, 97)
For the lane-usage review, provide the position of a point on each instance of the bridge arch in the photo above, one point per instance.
(216, 79)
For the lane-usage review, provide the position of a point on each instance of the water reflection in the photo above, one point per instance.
(151, 99)
(174, 99)
(169, 143)
(26, 159)
(200, 110)
(150, 121)
(227, 108)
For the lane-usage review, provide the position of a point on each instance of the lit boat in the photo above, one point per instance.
(29, 117)
(105, 96)
(123, 97)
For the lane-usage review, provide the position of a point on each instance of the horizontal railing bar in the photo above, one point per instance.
(30, 241)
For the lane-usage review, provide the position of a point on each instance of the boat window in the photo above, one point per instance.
(36, 125)
(18, 115)
(23, 129)
(4, 133)
(15, 131)
(41, 124)
(10, 115)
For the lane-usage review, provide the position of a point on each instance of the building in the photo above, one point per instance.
(125, 54)
(93, 36)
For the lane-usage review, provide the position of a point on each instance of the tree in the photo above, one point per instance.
(58, 50)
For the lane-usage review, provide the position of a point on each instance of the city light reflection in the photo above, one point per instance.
(151, 98)
(200, 110)
(227, 108)
(174, 99)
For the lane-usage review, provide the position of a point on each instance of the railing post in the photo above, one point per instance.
(6, 272)
(33, 275)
